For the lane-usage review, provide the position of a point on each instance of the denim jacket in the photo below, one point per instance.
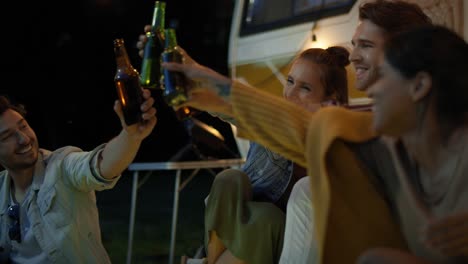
(62, 208)
(269, 173)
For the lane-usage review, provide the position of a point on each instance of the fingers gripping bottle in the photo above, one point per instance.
(127, 82)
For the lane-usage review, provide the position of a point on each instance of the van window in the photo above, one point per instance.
(264, 15)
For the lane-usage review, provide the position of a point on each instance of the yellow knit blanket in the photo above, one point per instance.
(350, 215)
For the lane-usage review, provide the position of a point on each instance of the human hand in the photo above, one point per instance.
(142, 39)
(199, 73)
(142, 129)
(193, 70)
(207, 89)
(448, 235)
(207, 100)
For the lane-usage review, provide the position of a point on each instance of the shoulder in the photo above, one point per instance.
(371, 150)
(341, 115)
(66, 150)
(59, 153)
(377, 157)
(337, 122)
(3, 175)
(62, 150)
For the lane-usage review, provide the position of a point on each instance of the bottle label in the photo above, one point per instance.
(150, 68)
(130, 97)
(173, 82)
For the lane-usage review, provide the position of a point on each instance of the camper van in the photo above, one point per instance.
(267, 34)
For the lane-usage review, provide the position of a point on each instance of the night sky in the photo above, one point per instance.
(60, 64)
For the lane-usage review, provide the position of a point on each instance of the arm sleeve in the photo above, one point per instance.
(80, 169)
(271, 121)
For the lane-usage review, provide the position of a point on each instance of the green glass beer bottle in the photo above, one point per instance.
(127, 82)
(173, 82)
(150, 66)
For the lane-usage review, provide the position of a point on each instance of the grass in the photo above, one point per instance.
(152, 229)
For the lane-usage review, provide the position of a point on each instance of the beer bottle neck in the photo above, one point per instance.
(158, 16)
(171, 39)
(121, 55)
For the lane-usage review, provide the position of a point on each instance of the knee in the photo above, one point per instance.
(231, 182)
(300, 194)
(231, 178)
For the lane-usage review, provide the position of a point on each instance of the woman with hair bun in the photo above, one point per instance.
(245, 211)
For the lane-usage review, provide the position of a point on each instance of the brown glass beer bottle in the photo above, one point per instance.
(127, 82)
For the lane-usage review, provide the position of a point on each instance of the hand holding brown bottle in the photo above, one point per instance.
(148, 116)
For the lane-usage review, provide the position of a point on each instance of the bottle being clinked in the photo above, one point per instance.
(150, 65)
(127, 82)
(173, 83)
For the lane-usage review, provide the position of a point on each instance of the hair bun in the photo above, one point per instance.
(340, 55)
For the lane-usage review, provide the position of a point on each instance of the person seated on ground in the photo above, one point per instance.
(48, 205)
(413, 143)
(240, 227)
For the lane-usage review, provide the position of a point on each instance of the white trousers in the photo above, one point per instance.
(298, 246)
